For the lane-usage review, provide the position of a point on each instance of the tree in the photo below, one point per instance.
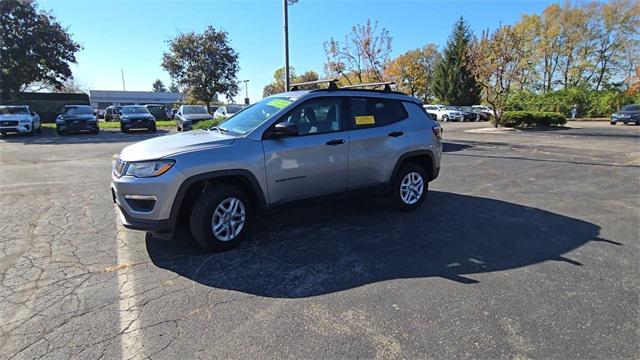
(173, 87)
(204, 63)
(453, 82)
(496, 60)
(361, 57)
(413, 71)
(277, 84)
(34, 47)
(158, 86)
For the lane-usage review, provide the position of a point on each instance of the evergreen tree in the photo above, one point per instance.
(453, 81)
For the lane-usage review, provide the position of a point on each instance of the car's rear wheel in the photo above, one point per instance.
(220, 218)
(410, 187)
(124, 129)
(613, 123)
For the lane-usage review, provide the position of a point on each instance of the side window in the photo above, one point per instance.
(316, 116)
(369, 112)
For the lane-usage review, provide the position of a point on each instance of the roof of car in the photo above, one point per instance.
(349, 92)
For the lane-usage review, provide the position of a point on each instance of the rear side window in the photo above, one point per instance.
(369, 112)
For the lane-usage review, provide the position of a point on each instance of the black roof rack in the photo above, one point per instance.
(332, 84)
(387, 85)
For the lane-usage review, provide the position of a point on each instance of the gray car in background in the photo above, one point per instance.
(189, 115)
(287, 147)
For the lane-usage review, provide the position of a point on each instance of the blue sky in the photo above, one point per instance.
(132, 34)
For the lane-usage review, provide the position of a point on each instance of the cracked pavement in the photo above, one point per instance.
(527, 247)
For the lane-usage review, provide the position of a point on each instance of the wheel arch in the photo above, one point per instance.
(422, 158)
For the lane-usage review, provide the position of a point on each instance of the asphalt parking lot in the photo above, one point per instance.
(527, 247)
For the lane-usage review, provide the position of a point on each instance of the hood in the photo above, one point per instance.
(15, 117)
(196, 117)
(163, 146)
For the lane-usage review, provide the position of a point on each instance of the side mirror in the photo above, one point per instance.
(285, 130)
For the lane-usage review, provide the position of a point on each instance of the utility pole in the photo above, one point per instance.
(122, 75)
(286, 4)
(246, 91)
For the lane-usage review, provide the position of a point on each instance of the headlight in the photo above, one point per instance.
(148, 168)
(124, 119)
(152, 118)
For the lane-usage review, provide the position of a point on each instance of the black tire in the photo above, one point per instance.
(124, 130)
(397, 181)
(178, 128)
(153, 129)
(39, 131)
(202, 216)
(96, 131)
(58, 131)
(613, 123)
(445, 118)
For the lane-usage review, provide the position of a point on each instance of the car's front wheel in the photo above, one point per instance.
(220, 218)
(410, 187)
(445, 118)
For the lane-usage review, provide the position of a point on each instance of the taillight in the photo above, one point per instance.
(437, 130)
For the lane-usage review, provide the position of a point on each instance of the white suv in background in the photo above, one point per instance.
(19, 119)
(444, 113)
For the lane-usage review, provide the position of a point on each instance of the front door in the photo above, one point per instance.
(314, 162)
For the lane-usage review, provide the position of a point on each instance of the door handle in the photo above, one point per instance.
(335, 142)
(396, 133)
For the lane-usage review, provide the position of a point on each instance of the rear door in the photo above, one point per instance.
(314, 162)
(378, 139)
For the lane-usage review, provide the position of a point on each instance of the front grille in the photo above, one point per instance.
(75, 122)
(8, 123)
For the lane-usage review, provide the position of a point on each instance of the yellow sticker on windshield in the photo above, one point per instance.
(365, 120)
(279, 103)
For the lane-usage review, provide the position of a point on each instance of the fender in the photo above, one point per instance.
(433, 172)
(184, 187)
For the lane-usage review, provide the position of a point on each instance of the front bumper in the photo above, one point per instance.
(138, 124)
(19, 128)
(157, 216)
(71, 126)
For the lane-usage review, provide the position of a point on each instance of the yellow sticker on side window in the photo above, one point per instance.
(365, 120)
(279, 103)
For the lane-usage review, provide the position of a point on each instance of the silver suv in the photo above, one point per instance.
(290, 146)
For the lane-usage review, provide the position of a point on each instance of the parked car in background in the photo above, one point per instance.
(287, 147)
(100, 113)
(110, 113)
(485, 109)
(444, 113)
(226, 111)
(135, 117)
(628, 114)
(77, 118)
(189, 115)
(158, 111)
(466, 114)
(19, 119)
(477, 115)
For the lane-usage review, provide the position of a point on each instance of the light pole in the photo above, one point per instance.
(246, 91)
(286, 4)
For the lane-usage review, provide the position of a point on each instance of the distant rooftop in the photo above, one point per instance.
(134, 96)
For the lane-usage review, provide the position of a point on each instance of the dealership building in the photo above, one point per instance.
(100, 99)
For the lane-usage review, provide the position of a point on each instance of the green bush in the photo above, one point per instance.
(204, 125)
(591, 103)
(525, 119)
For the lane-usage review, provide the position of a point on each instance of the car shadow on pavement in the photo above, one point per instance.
(49, 137)
(340, 245)
(452, 147)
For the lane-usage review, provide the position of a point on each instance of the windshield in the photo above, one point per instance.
(194, 109)
(13, 110)
(255, 115)
(232, 109)
(77, 110)
(631, 108)
(134, 110)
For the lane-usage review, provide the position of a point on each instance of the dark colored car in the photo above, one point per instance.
(135, 117)
(158, 111)
(189, 115)
(478, 115)
(466, 115)
(77, 118)
(628, 114)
